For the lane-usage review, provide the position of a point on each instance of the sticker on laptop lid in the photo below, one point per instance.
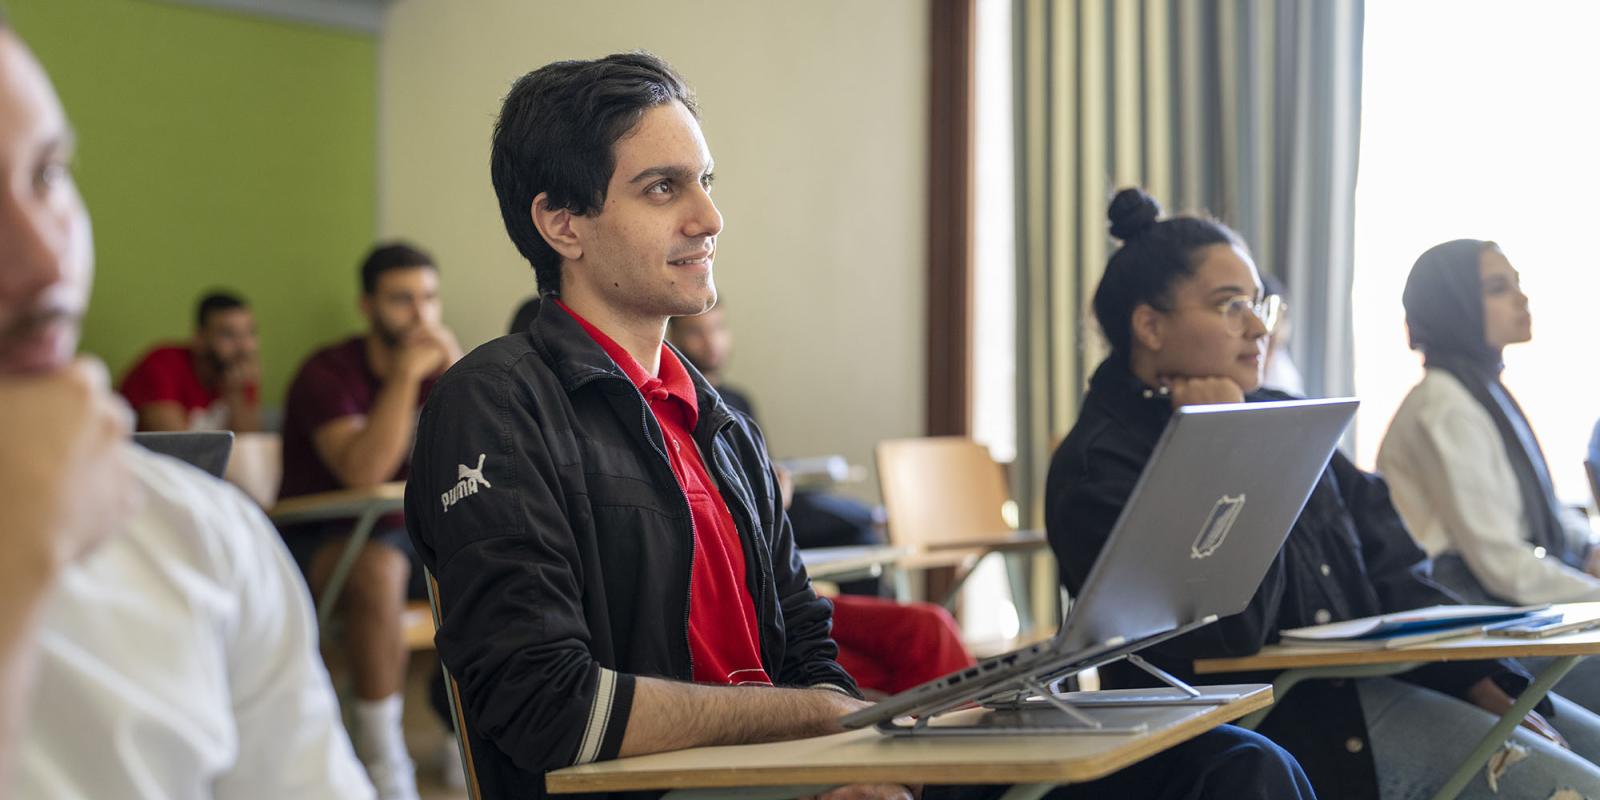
(1218, 523)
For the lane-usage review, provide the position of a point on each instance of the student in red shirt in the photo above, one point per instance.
(887, 646)
(616, 572)
(208, 383)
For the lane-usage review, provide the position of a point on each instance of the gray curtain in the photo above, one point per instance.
(1246, 109)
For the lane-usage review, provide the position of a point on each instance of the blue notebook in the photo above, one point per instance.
(1408, 627)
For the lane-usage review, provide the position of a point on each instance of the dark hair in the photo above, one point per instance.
(1273, 285)
(215, 302)
(555, 135)
(393, 255)
(1153, 256)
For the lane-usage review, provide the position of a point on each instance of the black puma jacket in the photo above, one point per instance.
(542, 500)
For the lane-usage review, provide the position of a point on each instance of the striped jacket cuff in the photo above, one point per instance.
(833, 686)
(608, 717)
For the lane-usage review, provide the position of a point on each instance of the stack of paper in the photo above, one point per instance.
(1404, 628)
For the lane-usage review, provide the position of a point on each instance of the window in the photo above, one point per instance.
(989, 613)
(994, 267)
(1480, 120)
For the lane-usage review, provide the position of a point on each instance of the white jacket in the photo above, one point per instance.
(1454, 486)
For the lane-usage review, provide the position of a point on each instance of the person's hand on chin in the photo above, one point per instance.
(1188, 391)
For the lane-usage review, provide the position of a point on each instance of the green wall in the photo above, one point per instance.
(215, 150)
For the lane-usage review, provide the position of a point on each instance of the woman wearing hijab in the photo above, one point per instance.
(1182, 308)
(1467, 473)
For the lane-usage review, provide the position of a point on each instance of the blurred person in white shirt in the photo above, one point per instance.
(155, 639)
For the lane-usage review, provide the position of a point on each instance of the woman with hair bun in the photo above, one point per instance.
(1182, 306)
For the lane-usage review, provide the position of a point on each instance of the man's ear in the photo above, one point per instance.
(555, 225)
(1149, 327)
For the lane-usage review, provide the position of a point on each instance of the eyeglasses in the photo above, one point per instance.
(1236, 312)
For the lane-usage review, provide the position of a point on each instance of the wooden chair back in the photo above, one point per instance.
(942, 491)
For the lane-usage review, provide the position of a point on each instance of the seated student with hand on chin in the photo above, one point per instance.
(348, 423)
(156, 642)
(210, 383)
(1181, 305)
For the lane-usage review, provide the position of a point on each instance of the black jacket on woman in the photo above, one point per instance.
(1347, 556)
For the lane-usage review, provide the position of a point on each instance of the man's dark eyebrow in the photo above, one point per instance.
(676, 172)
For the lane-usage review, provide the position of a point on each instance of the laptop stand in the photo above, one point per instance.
(1034, 706)
(1181, 694)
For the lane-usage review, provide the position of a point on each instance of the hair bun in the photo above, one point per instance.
(1132, 213)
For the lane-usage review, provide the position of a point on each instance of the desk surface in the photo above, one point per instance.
(822, 562)
(868, 756)
(1008, 541)
(339, 504)
(1466, 648)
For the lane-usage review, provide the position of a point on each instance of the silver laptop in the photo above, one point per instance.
(1210, 512)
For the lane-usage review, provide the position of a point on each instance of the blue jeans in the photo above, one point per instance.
(1225, 763)
(1419, 736)
(1581, 685)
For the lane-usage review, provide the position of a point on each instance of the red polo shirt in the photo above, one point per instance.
(724, 638)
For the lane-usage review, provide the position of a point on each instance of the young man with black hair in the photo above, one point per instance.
(349, 423)
(208, 383)
(616, 573)
(155, 638)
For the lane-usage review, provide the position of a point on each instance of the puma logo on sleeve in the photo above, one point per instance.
(468, 479)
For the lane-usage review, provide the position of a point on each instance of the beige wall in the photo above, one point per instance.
(816, 115)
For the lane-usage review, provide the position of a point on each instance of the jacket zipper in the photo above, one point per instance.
(644, 423)
(748, 537)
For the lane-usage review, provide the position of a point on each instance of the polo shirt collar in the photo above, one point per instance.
(672, 382)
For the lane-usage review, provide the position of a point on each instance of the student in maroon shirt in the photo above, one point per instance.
(348, 423)
(208, 383)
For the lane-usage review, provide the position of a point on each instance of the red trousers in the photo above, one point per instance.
(890, 647)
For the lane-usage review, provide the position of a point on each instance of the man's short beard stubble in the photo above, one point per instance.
(390, 337)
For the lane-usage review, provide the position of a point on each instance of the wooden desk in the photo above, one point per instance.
(834, 563)
(866, 756)
(1307, 663)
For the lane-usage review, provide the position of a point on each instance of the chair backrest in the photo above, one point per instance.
(453, 693)
(1593, 470)
(257, 466)
(207, 450)
(941, 490)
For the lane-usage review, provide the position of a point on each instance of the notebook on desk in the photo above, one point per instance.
(1208, 515)
(1407, 628)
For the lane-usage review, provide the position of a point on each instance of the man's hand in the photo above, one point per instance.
(420, 356)
(63, 465)
(1487, 695)
(427, 351)
(241, 373)
(1203, 391)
